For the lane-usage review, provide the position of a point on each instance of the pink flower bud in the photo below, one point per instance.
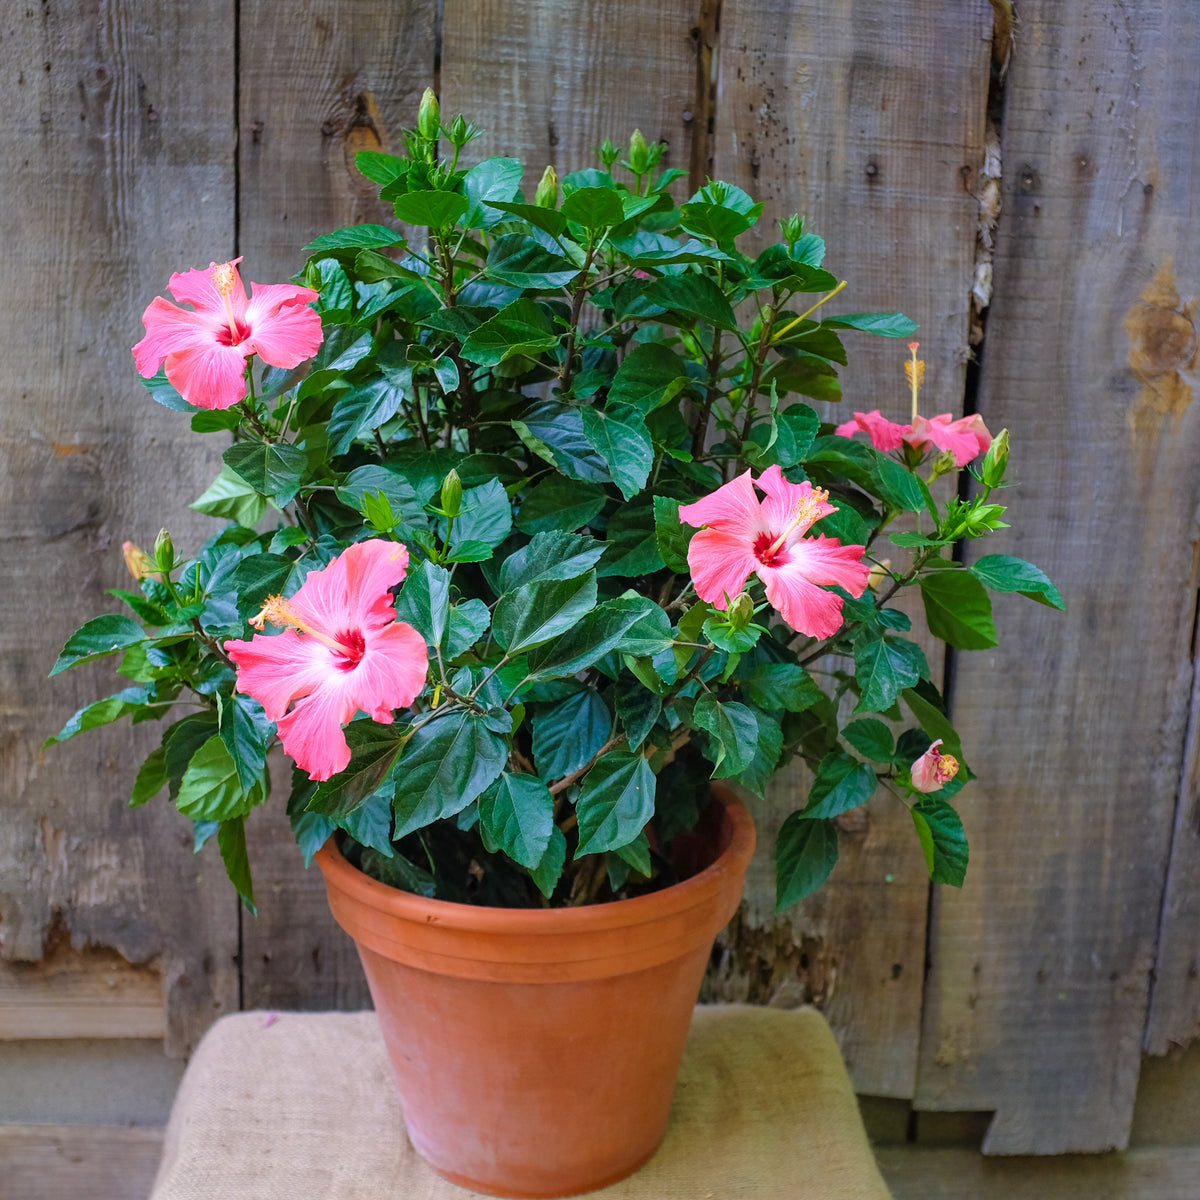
(933, 769)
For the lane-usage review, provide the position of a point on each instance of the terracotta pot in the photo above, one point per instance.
(536, 1049)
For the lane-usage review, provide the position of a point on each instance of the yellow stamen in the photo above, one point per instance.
(947, 767)
(279, 612)
(224, 279)
(914, 372)
(805, 512)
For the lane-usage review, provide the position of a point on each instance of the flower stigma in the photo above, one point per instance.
(223, 277)
(804, 512)
(349, 645)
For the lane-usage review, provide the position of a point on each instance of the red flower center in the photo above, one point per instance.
(226, 338)
(767, 552)
(351, 647)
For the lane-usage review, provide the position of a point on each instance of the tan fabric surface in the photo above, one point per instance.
(301, 1106)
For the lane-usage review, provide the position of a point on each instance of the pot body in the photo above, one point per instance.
(536, 1049)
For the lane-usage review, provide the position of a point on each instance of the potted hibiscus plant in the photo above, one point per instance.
(555, 539)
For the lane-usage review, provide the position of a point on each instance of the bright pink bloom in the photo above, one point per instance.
(745, 536)
(933, 769)
(964, 438)
(343, 651)
(206, 347)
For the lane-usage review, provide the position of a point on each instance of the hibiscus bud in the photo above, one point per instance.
(451, 499)
(429, 117)
(140, 564)
(459, 133)
(639, 153)
(933, 769)
(546, 195)
(791, 228)
(995, 462)
(607, 153)
(164, 552)
(741, 612)
(946, 461)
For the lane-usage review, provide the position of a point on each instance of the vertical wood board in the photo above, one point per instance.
(117, 145)
(318, 83)
(1041, 966)
(868, 120)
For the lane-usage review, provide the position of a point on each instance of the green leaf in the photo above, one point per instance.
(98, 637)
(259, 576)
(871, 738)
(616, 800)
(231, 841)
(1004, 573)
(671, 535)
(165, 393)
(484, 521)
(379, 167)
(587, 641)
(151, 778)
(568, 734)
(436, 210)
(180, 743)
(546, 874)
(522, 327)
(210, 789)
(638, 709)
(840, 784)
(733, 728)
(781, 685)
(424, 601)
(311, 831)
(550, 555)
(373, 751)
(767, 749)
(232, 499)
(958, 609)
(246, 731)
(942, 839)
(370, 824)
(354, 237)
(694, 296)
(343, 347)
(651, 374)
(632, 542)
(524, 262)
(559, 504)
(547, 219)
(620, 435)
(491, 179)
(466, 624)
(805, 853)
(884, 667)
(447, 764)
(805, 374)
(360, 409)
(900, 488)
(924, 704)
(273, 469)
(886, 324)
(539, 611)
(374, 478)
(102, 712)
(516, 814)
(554, 432)
(595, 208)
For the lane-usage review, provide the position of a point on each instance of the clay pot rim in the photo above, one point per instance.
(677, 898)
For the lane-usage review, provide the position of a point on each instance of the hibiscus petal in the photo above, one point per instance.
(720, 561)
(278, 669)
(884, 434)
(785, 500)
(312, 732)
(372, 568)
(169, 330)
(283, 330)
(196, 287)
(733, 506)
(391, 672)
(793, 586)
(211, 376)
(964, 438)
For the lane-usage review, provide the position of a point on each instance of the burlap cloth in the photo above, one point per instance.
(301, 1106)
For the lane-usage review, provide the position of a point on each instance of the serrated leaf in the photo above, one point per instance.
(616, 799)
(958, 609)
(567, 734)
(595, 208)
(354, 237)
(361, 409)
(273, 469)
(886, 324)
(559, 504)
(231, 498)
(694, 296)
(517, 815)
(491, 179)
(435, 210)
(884, 667)
(943, 840)
(374, 749)
(522, 327)
(805, 853)
(522, 261)
(781, 685)
(734, 729)
(424, 601)
(587, 641)
(554, 432)
(370, 824)
(102, 712)
(549, 869)
(550, 555)
(484, 521)
(841, 783)
(620, 435)
(1005, 573)
(210, 789)
(246, 731)
(671, 535)
(871, 738)
(649, 375)
(98, 637)
(542, 610)
(151, 778)
(231, 840)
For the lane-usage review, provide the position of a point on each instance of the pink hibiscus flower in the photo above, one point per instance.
(205, 347)
(964, 438)
(342, 650)
(745, 536)
(933, 769)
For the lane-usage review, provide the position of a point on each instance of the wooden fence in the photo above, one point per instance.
(141, 137)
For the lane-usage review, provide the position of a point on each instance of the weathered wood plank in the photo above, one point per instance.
(117, 147)
(319, 82)
(547, 82)
(96, 994)
(1036, 1003)
(869, 120)
(917, 1174)
(64, 1162)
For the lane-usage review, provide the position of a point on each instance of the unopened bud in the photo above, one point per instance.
(546, 195)
(945, 461)
(995, 462)
(164, 552)
(607, 153)
(451, 499)
(140, 564)
(791, 228)
(639, 153)
(429, 117)
(741, 611)
(459, 131)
